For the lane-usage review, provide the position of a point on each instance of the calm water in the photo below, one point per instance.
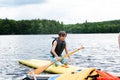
(101, 51)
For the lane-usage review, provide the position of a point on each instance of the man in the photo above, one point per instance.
(58, 46)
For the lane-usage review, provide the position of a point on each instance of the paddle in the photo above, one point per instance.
(41, 69)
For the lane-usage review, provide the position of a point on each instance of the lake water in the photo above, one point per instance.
(101, 51)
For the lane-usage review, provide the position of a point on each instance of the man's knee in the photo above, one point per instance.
(64, 61)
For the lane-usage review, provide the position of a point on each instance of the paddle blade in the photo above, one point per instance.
(40, 69)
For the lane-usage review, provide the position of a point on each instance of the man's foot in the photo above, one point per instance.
(56, 65)
(65, 65)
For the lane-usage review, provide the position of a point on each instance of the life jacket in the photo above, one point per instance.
(59, 47)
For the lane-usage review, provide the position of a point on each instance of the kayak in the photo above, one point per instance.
(86, 74)
(106, 76)
(49, 76)
(35, 63)
(77, 75)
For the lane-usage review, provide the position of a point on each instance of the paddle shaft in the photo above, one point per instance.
(41, 69)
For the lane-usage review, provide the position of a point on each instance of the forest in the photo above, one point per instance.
(44, 26)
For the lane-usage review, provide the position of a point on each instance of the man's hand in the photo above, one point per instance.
(70, 60)
(58, 58)
(82, 47)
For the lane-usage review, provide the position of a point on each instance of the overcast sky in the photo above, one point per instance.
(68, 11)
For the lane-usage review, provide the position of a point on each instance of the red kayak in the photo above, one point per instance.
(106, 76)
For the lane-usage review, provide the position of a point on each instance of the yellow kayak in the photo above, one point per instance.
(35, 63)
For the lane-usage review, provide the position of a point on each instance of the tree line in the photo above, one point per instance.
(94, 27)
(44, 26)
(35, 26)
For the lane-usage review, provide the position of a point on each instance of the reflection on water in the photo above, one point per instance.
(101, 51)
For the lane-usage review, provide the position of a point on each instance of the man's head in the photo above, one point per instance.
(62, 35)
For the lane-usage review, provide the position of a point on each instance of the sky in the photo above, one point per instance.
(66, 11)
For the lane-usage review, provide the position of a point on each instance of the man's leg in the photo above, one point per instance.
(54, 60)
(65, 62)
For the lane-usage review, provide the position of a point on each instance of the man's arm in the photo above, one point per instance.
(53, 50)
(66, 50)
